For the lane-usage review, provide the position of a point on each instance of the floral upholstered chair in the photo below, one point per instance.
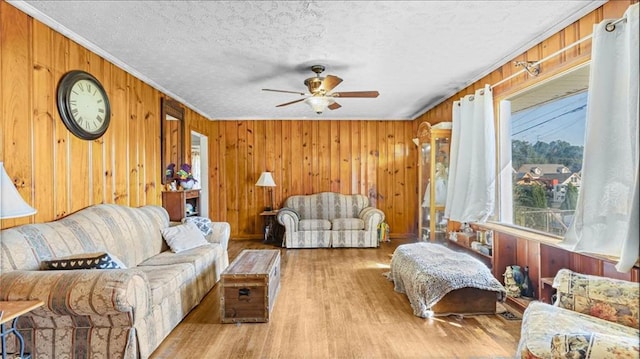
(593, 317)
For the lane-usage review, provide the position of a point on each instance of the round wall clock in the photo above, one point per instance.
(83, 105)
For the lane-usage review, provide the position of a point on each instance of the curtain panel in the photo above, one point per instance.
(472, 175)
(606, 216)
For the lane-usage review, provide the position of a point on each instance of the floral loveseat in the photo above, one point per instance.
(329, 219)
(107, 313)
(593, 317)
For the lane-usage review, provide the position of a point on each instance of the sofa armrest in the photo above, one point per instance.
(220, 233)
(80, 292)
(605, 298)
(372, 217)
(289, 218)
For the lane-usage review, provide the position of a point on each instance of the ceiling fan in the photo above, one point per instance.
(320, 96)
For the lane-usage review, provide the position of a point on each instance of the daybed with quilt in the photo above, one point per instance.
(439, 281)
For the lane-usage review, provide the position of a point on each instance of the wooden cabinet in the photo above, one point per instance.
(545, 258)
(181, 204)
(433, 167)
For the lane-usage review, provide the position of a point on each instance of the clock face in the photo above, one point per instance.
(83, 105)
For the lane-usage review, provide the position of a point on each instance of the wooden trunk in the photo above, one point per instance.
(467, 301)
(249, 286)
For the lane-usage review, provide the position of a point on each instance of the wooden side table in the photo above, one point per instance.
(11, 311)
(272, 229)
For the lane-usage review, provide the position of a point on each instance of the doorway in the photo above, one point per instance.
(200, 169)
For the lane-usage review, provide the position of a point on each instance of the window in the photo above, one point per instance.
(542, 132)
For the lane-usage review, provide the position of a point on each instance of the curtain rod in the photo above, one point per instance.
(609, 27)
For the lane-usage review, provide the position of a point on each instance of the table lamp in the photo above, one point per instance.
(11, 203)
(266, 180)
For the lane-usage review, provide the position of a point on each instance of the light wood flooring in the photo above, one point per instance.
(335, 303)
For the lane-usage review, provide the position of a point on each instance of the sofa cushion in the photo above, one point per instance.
(593, 345)
(314, 224)
(101, 260)
(183, 237)
(342, 224)
(167, 280)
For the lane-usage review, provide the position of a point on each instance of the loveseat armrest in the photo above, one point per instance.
(372, 217)
(610, 299)
(289, 218)
(220, 233)
(80, 292)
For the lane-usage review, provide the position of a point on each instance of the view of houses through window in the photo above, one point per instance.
(547, 141)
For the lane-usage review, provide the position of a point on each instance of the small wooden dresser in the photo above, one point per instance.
(180, 204)
(249, 286)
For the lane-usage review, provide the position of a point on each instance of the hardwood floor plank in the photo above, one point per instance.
(336, 303)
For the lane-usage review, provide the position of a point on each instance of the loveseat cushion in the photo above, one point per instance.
(343, 224)
(314, 224)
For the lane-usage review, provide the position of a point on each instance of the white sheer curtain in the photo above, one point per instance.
(472, 177)
(195, 167)
(606, 217)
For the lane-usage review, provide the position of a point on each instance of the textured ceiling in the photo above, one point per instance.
(215, 57)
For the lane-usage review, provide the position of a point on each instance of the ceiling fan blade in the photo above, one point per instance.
(330, 82)
(356, 94)
(289, 103)
(296, 92)
(334, 106)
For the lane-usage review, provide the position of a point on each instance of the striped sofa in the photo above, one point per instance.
(106, 313)
(329, 219)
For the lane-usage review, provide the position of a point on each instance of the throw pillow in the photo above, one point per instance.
(183, 237)
(203, 224)
(100, 260)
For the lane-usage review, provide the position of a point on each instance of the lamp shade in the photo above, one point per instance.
(319, 103)
(11, 203)
(266, 180)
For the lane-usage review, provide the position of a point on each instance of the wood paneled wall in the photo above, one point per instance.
(374, 158)
(60, 174)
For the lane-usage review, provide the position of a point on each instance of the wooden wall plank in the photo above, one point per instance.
(137, 137)
(61, 148)
(96, 67)
(80, 179)
(344, 159)
(119, 98)
(305, 156)
(231, 172)
(43, 123)
(15, 104)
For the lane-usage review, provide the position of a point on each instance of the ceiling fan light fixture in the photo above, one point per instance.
(319, 103)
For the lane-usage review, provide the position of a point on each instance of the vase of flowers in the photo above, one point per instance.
(185, 177)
